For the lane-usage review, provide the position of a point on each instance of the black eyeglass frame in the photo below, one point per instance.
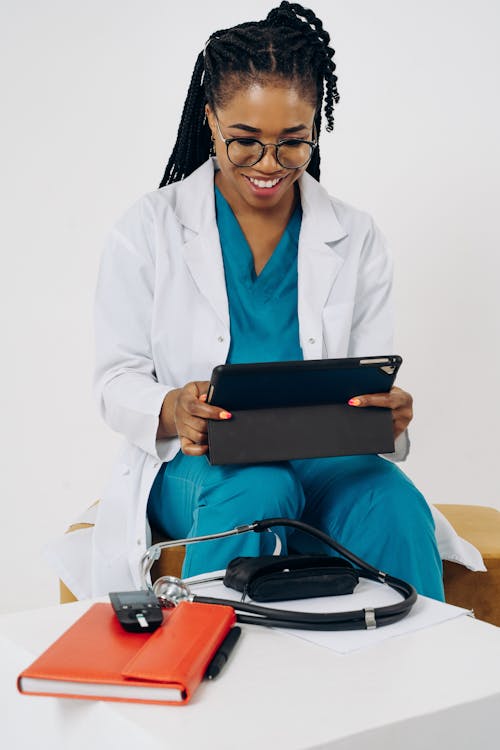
(312, 144)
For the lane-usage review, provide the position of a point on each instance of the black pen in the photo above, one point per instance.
(222, 654)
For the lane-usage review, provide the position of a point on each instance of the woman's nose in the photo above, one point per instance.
(269, 162)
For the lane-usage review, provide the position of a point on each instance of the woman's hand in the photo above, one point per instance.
(184, 413)
(398, 401)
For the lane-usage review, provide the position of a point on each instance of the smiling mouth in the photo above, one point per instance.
(260, 183)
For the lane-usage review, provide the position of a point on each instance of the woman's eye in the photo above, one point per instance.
(292, 143)
(246, 142)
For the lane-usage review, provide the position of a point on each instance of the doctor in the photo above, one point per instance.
(241, 256)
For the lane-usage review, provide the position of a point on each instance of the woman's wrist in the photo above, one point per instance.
(166, 424)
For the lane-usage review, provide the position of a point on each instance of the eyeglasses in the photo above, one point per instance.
(291, 153)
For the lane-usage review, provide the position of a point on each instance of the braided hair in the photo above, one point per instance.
(289, 44)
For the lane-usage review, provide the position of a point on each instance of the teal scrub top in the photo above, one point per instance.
(263, 311)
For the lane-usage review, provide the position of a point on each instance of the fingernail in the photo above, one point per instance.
(354, 402)
(203, 397)
(225, 415)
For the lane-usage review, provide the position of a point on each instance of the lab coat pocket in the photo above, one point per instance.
(336, 320)
(113, 513)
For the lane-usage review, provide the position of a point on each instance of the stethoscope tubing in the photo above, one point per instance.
(347, 620)
(367, 618)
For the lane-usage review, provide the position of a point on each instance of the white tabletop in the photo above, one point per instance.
(436, 689)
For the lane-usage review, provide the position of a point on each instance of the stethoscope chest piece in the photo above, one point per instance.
(172, 591)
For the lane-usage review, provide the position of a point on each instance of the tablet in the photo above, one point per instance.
(264, 385)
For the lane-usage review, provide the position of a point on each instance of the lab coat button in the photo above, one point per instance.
(220, 339)
(312, 340)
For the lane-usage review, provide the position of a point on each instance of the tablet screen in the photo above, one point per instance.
(300, 383)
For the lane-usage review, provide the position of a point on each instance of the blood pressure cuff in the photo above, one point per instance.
(278, 578)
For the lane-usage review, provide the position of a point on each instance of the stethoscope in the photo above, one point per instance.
(171, 591)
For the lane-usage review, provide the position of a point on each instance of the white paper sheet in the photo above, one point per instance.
(424, 614)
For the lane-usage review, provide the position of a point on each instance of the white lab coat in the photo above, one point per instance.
(162, 320)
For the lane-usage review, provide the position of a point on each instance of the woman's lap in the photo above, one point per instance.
(366, 502)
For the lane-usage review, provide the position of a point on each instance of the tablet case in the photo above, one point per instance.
(286, 433)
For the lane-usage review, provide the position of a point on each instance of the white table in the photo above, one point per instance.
(435, 689)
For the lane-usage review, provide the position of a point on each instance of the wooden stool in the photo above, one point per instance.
(170, 561)
(473, 590)
(479, 591)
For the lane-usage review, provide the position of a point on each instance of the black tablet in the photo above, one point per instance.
(300, 383)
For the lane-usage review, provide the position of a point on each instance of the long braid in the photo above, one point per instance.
(190, 146)
(290, 44)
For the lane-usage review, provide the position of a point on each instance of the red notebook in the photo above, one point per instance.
(96, 659)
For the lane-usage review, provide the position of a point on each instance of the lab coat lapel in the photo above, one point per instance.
(319, 262)
(195, 210)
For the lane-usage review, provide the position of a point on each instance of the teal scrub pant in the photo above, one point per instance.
(366, 503)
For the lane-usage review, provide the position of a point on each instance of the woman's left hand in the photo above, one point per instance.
(398, 401)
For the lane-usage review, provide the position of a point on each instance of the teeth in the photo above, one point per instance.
(265, 183)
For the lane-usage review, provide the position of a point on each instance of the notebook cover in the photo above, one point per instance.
(95, 651)
(179, 656)
(287, 433)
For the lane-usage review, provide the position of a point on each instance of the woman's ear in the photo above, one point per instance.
(210, 119)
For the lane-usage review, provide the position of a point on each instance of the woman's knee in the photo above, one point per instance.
(395, 499)
(380, 504)
(257, 491)
(408, 546)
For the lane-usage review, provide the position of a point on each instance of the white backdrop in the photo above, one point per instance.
(91, 99)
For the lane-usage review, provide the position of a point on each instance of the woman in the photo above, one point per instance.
(242, 256)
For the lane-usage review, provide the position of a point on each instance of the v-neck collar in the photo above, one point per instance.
(240, 253)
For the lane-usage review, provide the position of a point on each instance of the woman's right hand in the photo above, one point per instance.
(184, 413)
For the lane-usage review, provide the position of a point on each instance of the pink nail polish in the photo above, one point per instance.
(354, 402)
(225, 415)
